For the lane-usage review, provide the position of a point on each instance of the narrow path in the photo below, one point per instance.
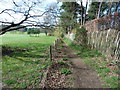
(83, 76)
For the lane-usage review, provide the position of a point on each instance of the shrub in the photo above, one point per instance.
(50, 34)
(81, 36)
(65, 59)
(62, 35)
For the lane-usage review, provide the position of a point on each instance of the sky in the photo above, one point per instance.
(7, 4)
(39, 9)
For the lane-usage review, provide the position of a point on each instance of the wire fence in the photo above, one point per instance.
(53, 49)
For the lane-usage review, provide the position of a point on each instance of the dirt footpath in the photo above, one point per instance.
(83, 76)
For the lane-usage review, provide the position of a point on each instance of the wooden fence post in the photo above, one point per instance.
(50, 54)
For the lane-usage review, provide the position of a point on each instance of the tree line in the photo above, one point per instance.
(75, 15)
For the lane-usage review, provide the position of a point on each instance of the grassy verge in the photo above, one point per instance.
(97, 61)
(23, 60)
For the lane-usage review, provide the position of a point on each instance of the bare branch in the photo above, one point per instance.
(3, 32)
(39, 15)
(15, 3)
(9, 14)
(9, 26)
(10, 10)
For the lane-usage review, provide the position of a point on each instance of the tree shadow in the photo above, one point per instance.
(21, 52)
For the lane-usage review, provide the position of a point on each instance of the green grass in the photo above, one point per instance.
(62, 63)
(82, 51)
(65, 59)
(97, 61)
(8, 82)
(65, 71)
(112, 80)
(22, 69)
(24, 39)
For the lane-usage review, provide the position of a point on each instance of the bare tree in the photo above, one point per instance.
(50, 17)
(30, 12)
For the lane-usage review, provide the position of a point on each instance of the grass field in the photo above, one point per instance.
(24, 60)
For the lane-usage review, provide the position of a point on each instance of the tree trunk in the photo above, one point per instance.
(99, 9)
(85, 12)
(46, 32)
(81, 13)
(117, 4)
(110, 8)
